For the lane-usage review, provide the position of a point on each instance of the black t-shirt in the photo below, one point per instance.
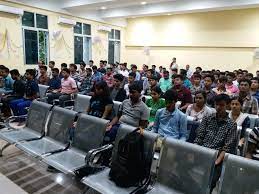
(97, 105)
(18, 88)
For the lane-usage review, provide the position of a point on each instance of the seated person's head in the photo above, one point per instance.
(249, 76)
(65, 72)
(135, 90)
(51, 64)
(221, 103)
(174, 71)
(150, 72)
(153, 81)
(118, 79)
(72, 68)
(1, 69)
(134, 68)
(88, 71)
(178, 80)
(43, 70)
(131, 77)
(82, 65)
(183, 72)
(41, 63)
(101, 64)
(154, 67)
(196, 79)
(109, 71)
(123, 66)
(30, 74)
(156, 92)
(5, 72)
(55, 72)
(208, 80)
(254, 84)
(200, 98)
(244, 85)
(230, 77)
(101, 89)
(236, 104)
(63, 65)
(166, 74)
(198, 69)
(14, 74)
(170, 99)
(222, 82)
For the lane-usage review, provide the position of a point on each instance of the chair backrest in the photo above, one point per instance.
(81, 103)
(247, 134)
(37, 116)
(185, 167)
(116, 106)
(253, 120)
(239, 175)
(149, 144)
(192, 127)
(89, 132)
(60, 121)
(43, 90)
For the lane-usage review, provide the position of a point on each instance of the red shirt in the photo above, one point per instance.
(184, 95)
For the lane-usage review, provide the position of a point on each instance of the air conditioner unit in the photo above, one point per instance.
(66, 21)
(11, 10)
(104, 28)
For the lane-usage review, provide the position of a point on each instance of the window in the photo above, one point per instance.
(35, 37)
(114, 46)
(82, 42)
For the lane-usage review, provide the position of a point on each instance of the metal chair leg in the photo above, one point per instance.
(3, 148)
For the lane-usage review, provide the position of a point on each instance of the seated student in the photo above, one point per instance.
(108, 77)
(184, 94)
(199, 110)
(97, 76)
(250, 104)
(82, 71)
(63, 66)
(208, 81)
(218, 132)
(87, 83)
(55, 81)
(40, 63)
(102, 69)
(7, 80)
(51, 67)
(31, 93)
(254, 89)
(134, 69)
(117, 91)
(133, 111)
(68, 88)
(100, 103)
(131, 79)
(43, 79)
(155, 103)
(186, 82)
(196, 83)
(165, 83)
(241, 119)
(153, 82)
(169, 121)
(231, 88)
(73, 73)
(17, 93)
(221, 89)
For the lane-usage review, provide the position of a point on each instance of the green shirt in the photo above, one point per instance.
(165, 84)
(154, 107)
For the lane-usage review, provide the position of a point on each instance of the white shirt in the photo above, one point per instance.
(174, 66)
(189, 73)
(125, 73)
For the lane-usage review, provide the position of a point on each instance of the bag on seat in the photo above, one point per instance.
(127, 169)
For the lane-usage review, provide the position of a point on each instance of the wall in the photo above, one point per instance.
(60, 49)
(221, 40)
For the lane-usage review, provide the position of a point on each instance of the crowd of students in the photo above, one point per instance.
(219, 101)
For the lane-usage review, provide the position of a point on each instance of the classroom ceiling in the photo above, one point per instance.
(118, 9)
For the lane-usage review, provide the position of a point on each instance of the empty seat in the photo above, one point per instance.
(89, 135)
(81, 103)
(184, 168)
(34, 127)
(239, 176)
(57, 134)
(101, 181)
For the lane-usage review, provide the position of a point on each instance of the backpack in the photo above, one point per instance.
(128, 168)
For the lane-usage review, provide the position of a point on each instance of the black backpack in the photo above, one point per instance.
(128, 168)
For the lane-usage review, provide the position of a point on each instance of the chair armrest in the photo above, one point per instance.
(69, 103)
(11, 118)
(57, 151)
(92, 154)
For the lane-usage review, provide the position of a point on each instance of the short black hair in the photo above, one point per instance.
(255, 78)
(94, 67)
(223, 79)
(89, 69)
(91, 61)
(238, 99)
(137, 85)
(132, 74)
(210, 76)
(171, 95)
(82, 63)
(196, 75)
(64, 65)
(153, 66)
(156, 89)
(199, 68)
(179, 76)
(103, 85)
(134, 66)
(119, 77)
(66, 70)
(183, 72)
(202, 92)
(245, 80)
(222, 97)
(6, 70)
(250, 74)
(55, 70)
(14, 72)
(2, 67)
(44, 67)
(52, 62)
(73, 65)
(167, 72)
(32, 72)
(231, 74)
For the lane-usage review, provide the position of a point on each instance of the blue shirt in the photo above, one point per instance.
(8, 83)
(256, 95)
(138, 76)
(31, 88)
(187, 83)
(97, 76)
(55, 83)
(171, 124)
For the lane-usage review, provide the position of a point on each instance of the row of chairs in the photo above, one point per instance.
(182, 167)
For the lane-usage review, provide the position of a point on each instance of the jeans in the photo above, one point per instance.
(61, 97)
(18, 106)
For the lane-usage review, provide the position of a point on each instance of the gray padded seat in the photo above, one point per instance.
(43, 90)
(101, 181)
(239, 176)
(253, 120)
(57, 133)
(81, 103)
(89, 135)
(34, 127)
(184, 168)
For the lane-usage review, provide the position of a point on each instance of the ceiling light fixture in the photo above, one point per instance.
(103, 8)
(143, 3)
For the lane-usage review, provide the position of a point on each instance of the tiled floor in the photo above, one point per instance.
(31, 175)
